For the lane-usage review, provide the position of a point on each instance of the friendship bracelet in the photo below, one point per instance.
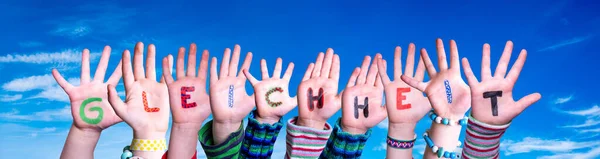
(401, 144)
(127, 154)
(148, 145)
(439, 150)
(437, 119)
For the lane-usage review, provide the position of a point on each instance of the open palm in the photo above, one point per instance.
(89, 101)
(498, 87)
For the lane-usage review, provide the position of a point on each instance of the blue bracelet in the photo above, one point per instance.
(446, 121)
(127, 154)
(439, 150)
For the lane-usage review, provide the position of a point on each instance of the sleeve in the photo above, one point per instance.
(482, 140)
(305, 142)
(259, 138)
(344, 145)
(228, 149)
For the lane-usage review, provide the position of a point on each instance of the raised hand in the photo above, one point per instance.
(89, 101)
(362, 99)
(272, 93)
(146, 106)
(318, 98)
(492, 97)
(228, 98)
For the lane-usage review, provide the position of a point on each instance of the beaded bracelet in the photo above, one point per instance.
(401, 144)
(439, 150)
(446, 121)
(127, 154)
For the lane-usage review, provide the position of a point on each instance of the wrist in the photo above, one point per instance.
(316, 124)
(86, 133)
(186, 127)
(402, 131)
(354, 130)
(267, 120)
(150, 135)
(227, 126)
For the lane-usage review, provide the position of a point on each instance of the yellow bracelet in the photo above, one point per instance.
(148, 145)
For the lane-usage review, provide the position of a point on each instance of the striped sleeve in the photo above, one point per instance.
(304, 142)
(228, 149)
(344, 145)
(259, 138)
(482, 140)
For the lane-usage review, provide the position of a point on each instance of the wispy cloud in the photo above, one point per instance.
(46, 83)
(381, 147)
(593, 153)
(65, 56)
(10, 98)
(75, 30)
(587, 123)
(594, 111)
(566, 43)
(530, 144)
(62, 114)
(23, 131)
(562, 100)
(96, 18)
(31, 44)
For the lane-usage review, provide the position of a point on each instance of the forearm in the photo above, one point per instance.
(260, 136)
(443, 136)
(305, 142)
(228, 149)
(149, 153)
(222, 129)
(482, 140)
(401, 131)
(80, 143)
(183, 141)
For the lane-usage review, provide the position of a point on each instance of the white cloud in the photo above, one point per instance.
(595, 111)
(31, 44)
(72, 30)
(381, 147)
(597, 130)
(562, 100)
(572, 41)
(68, 56)
(593, 153)
(24, 131)
(384, 124)
(529, 144)
(10, 98)
(588, 123)
(62, 114)
(96, 18)
(54, 93)
(29, 83)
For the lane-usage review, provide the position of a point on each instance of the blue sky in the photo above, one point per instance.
(560, 37)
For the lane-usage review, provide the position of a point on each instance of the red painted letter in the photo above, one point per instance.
(400, 98)
(185, 97)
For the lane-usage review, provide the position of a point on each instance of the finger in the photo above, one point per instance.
(235, 60)
(317, 71)
(454, 58)
(263, 69)
(116, 102)
(289, 71)
(191, 67)
(353, 78)
(428, 64)
(327, 62)
(251, 78)
(486, 72)
(335, 68)
(504, 60)
(471, 79)
(414, 83)
(85, 67)
(442, 62)
(203, 66)
(513, 75)
(61, 80)
(383, 72)
(116, 75)
(166, 70)
(128, 77)
(420, 75)
(277, 70)
(180, 67)
(225, 63)
(373, 71)
(213, 71)
(364, 68)
(151, 62)
(246, 64)
(379, 82)
(138, 61)
(528, 100)
(410, 60)
(308, 72)
(397, 62)
(102, 65)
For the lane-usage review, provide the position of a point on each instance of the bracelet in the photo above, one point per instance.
(148, 145)
(446, 121)
(401, 144)
(127, 154)
(439, 150)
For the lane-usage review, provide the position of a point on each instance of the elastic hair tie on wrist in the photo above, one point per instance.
(437, 119)
(401, 144)
(439, 150)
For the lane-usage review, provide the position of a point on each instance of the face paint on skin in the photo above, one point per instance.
(494, 96)
(400, 98)
(365, 107)
(312, 99)
(98, 109)
(185, 97)
(230, 99)
(448, 91)
(145, 100)
(271, 91)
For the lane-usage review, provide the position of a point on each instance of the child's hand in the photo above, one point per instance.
(405, 104)
(272, 93)
(189, 101)
(446, 90)
(492, 97)
(146, 107)
(362, 98)
(89, 101)
(318, 98)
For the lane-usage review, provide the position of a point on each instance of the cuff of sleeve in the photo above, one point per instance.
(228, 149)
(482, 140)
(345, 145)
(259, 138)
(305, 142)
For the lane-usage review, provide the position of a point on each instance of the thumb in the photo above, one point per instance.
(414, 83)
(115, 101)
(528, 100)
